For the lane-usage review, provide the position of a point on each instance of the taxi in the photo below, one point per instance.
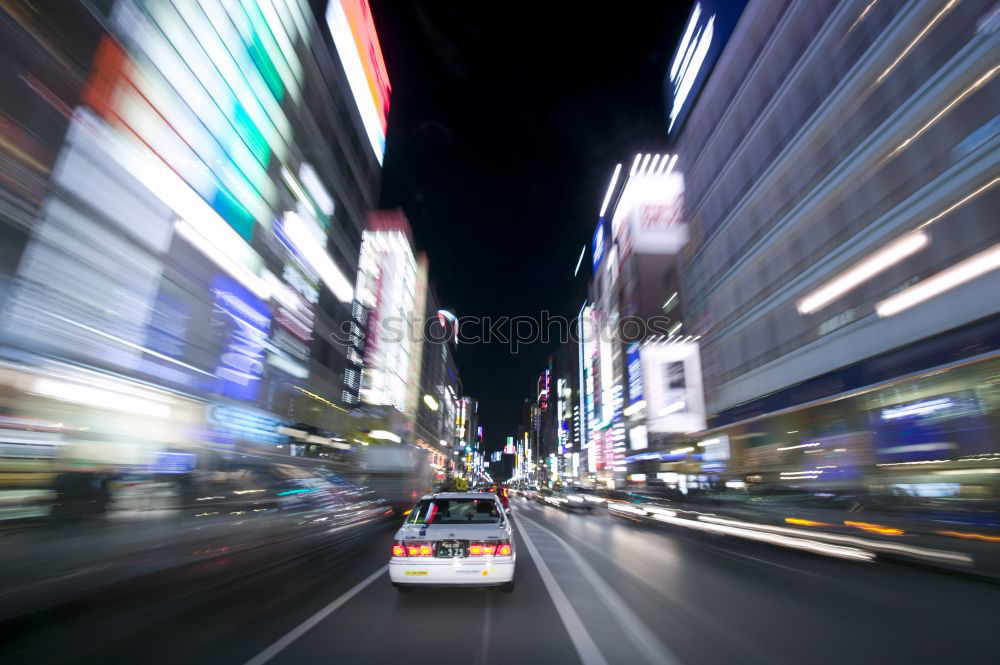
(454, 539)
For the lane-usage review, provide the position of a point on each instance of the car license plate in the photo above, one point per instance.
(450, 549)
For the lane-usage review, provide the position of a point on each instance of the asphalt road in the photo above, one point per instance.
(591, 588)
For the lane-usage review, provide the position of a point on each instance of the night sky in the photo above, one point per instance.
(505, 126)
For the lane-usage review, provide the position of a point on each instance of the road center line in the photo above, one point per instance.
(655, 652)
(578, 635)
(267, 654)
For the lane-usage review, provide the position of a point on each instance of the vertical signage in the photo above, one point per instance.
(634, 367)
(244, 321)
(597, 246)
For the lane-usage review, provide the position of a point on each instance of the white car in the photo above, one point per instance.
(454, 539)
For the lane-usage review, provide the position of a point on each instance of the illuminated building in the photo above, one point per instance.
(637, 369)
(204, 223)
(437, 410)
(467, 422)
(385, 293)
(843, 256)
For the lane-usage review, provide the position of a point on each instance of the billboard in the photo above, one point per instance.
(244, 322)
(705, 35)
(353, 32)
(649, 218)
(673, 388)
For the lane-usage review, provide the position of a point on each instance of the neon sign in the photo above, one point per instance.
(353, 32)
(246, 322)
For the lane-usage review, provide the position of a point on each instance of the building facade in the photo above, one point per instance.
(440, 389)
(199, 233)
(843, 251)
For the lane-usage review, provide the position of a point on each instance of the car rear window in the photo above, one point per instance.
(455, 511)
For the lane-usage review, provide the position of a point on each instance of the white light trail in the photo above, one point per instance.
(918, 409)
(861, 16)
(884, 258)
(634, 408)
(670, 166)
(645, 163)
(99, 396)
(911, 550)
(635, 164)
(611, 189)
(775, 539)
(682, 49)
(920, 35)
(317, 257)
(804, 445)
(225, 255)
(672, 408)
(963, 271)
(961, 202)
(583, 250)
(684, 81)
(978, 83)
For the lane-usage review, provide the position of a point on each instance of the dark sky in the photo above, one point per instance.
(505, 125)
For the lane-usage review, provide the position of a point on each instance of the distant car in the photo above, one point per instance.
(454, 539)
(574, 499)
(591, 496)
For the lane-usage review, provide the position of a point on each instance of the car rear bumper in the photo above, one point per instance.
(452, 572)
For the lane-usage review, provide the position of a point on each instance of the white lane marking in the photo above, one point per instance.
(267, 654)
(642, 637)
(578, 635)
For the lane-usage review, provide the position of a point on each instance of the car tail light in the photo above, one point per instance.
(411, 548)
(504, 549)
(483, 549)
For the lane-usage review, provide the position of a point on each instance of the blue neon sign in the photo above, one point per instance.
(245, 321)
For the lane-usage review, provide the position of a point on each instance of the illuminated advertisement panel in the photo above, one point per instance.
(353, 32)
(705, 35)
(244, 322)
(673, 388)
(650, 214)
